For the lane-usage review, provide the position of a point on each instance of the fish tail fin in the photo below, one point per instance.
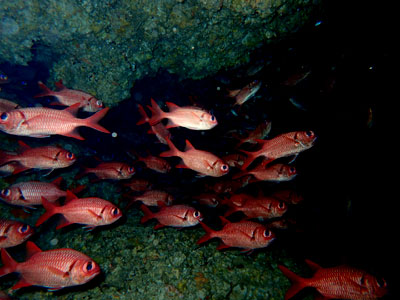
(148, 215)
(298, 283)
(9, 263)
(51, 209)
(173, 150)
(209, 234)
(5, 157)
(45, 89)
(157, 113)
(251, 156)
(145, 118)
(93, 120)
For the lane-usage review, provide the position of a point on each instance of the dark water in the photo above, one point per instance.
(346, 216)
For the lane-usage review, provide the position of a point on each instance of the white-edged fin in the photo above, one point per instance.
(189, 146)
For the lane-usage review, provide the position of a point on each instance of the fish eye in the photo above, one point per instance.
(24, 228)
(381, 282)
(196, 214)
(281, 205)
(131, 170)
(70, 155)
(267, 233)
(4, 116)
(99, 103)
(89, 266)
(224, 168)
(115, 211)
(309, 133)
(292, 170)
(6, 192)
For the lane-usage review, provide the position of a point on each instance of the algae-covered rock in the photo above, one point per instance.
(102, 47)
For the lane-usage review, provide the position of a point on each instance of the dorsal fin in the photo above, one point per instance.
(59, 85)
(189, 146)
(171, 106)
(73, 109)
(224, 220)
(23, 146)
(70, 196)
(57, 181)
(31, 249)
(313, 266)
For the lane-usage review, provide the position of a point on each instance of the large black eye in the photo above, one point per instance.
(267, 233)
(24, 228)
(4, 116)
(309, 133)
(6, 192)
(196, 214)
(115, 211)
(224, 168)
(89, 266)
(70, 155)
(381, 282)
(281, 205)
(99, 103)
(212, 118)
(292, 170)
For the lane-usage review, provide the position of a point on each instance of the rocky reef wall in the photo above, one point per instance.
(102, 47)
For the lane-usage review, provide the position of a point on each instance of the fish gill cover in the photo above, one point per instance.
(127, 53)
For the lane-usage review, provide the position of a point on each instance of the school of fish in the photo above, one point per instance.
(248, 221)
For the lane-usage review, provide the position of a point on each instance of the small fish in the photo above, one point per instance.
(259, 207)
(201, 161)
(288, 196)
(174, 216)
(260, 132)
(91, 212)
(110, 170)
(153, 197)
(68, 97)
(30, 193)
(13, 233)
(286, 144)
(244, 234)
(7, 105)
(189, 117)
(245, 93)
(53, 269)
(158, 129)
(234, 159)
(208, 199)
(40, 122)
(229, 185)
(296, 78)
(155, 163)
(341, 282)
(273, 173)
(138, 184)
(43, 158)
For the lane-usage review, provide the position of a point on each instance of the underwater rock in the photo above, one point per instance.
(103, 47)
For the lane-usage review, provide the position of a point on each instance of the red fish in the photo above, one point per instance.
(208, 199)
(110, 170)
(260, 207)
(53, 269)
(13, 233)
(70, 97)
(153, 197)
(341, 282)
(189, 116)
(154, 163)
(288, 196)
(229, 185)
(244, 234)
(30, 193)
(43, 122)
(234, 160)
(245, 93)
(174, 216)
(203, 162)
(44, 158)
(275, 173)
(158, 129)
(286, 144)
(7, 105)
(91, 212)
(259, 133)
(138, 184)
